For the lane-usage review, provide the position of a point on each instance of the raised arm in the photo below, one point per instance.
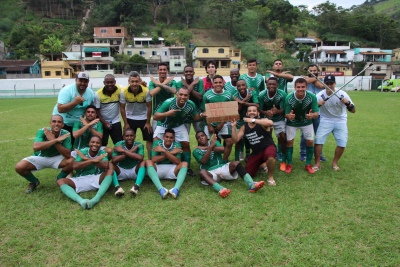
(67, 107)
(236, 137)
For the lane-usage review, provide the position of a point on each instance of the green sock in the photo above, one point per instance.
(217, 187)
(284, 157)
(62, 175)
(237, 152)
(279, 151)
(181, 177)
(115, 179)
(70, 192)
(154, 177)
(289, 155)
(247, 178)
(102, 190)
(140, 175)
(309, 154)
(187, 157)
(30, 177)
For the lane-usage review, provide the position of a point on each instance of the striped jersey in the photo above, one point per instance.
(161, 143)
(50, 151)
(128, 163)
(229, 87)
(267, 103)
(163, 95)
(212, 97)
(300, 107)
(187, 112)
(254, 82)
(252, 99)
(214, 161)
(281, 81)
(83, 141)
(91, 169)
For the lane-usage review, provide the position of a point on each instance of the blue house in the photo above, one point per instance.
(19, 67)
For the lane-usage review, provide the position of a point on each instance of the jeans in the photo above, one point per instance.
(303, 144)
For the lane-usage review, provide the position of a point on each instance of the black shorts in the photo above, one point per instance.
(135, 124)
(115, 132)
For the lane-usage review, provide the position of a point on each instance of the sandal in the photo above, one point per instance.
(264, 169)
(316, 168)
(272, 183)
(335, 168)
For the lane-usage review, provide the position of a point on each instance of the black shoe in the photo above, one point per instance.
(134, 190)
(191, 173)
(119, 191)
(32, 187)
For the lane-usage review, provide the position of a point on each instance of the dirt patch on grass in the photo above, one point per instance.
(215, 37)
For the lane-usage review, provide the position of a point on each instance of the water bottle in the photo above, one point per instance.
(110, 124)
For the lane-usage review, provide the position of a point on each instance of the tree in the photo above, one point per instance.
(52, 45)
(155, 39)
(229, 11)
(262, 13)
(304, 51)
(138, 61)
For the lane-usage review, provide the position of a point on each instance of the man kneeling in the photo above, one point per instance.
(166, 163)
(213, 170)
(93, 171)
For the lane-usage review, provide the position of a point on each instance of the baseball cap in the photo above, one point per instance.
(329, 78)
(83, 75)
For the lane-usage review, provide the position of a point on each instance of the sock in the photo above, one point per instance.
(154, 177)
(30, 177)
(284, 157)
(217, 187)
(187, 157)
(309, 154)
(140, 176)
(70, 192)
(241, 170)
(62, 175)
(247, 178)
(102, 190)
(279, 151)
(289, 155)
(181, 177)
(237, 152)
(115, 179)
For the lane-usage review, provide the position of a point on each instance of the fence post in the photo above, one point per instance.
(396, 87)
(15, 90)
(381, 86)
(54, 89)
(34, 89)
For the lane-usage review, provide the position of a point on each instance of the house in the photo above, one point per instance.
(175, 56)
(382, 68)
(16, 69)
(396, 55)
(147, 42)
(225, 57)
(55, 66)
(332, 52)
(76, 47)
(97, 59)
(74, 60)
(115, 36)
(305, 41)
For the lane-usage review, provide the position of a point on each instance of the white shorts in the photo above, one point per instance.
(308, 132)
(44, 163)
(86, 183)
(197, 126)
(181, 134)
(225, 130)
(166, 171)
(222, 173)
(279, 127)
(154, 125)
(127, 174)
(73, 153)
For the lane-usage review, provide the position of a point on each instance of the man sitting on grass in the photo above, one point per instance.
(128, 160)
(52, 148)
(166, 163)
(212, 168)
(93, 171)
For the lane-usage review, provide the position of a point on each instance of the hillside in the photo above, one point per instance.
(388, 7)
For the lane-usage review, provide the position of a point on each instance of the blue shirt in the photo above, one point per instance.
(67, 95)
(313, 89)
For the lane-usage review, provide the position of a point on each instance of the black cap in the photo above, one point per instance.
(329, 78)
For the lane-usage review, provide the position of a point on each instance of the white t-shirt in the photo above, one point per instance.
(333, 111)
(108, 105)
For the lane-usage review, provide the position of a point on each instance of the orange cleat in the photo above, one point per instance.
(283, 166)
(288, 168)
(309, 169)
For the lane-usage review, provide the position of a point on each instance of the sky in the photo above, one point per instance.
(343, 3)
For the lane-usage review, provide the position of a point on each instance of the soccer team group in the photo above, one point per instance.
(165, 111)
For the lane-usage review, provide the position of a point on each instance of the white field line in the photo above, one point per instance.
(5, 141)
(18, 109)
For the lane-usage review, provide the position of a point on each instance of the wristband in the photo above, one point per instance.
(348, 104)
(350, 108)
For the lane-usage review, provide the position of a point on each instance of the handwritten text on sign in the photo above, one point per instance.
(222, 111)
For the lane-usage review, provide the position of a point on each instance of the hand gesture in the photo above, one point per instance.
(119, 149)
(133, 149)
(237, 100)
(204, 114)
(93, 122)
(80, 154)
(148, 127)
(143, 83)
(106, 125)
(156, 82)
(171, 112)
(233, 124)
(49, 134)
(63, 137)
(309, 116)
(285, 72)
(322, 102)
(79, 99)
(251, 89)
(196, 81)
(247, 96)
(274, 110)
(83, 121)
(344, 101)
(176, 150)
(201, 147)
(99, 158)
(184, 82)
(269, 113)
(291, 116)
(167, 81)
(158, 149)
(246, 119)
(213, 141)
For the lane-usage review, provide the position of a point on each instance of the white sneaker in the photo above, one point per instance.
(119, 191)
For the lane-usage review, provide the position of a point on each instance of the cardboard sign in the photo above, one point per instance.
(222, 111)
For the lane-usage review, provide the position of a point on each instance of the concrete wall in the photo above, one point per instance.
(23, 76)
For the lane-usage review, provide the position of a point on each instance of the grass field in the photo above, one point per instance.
(346, 218)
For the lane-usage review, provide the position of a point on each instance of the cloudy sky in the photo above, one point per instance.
(343, 3)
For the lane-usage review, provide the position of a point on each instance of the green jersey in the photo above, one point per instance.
(163, 95)
(128, 163)
(187, 112)
(230, 88)
(50, 151)
(267, 103)
(161, 143)
(91, 169)
(198, 88)
(281, 81)
(212, 97)
(83, 141)
(214, 161)
(254, 82)
(252, 99)
(300, 108)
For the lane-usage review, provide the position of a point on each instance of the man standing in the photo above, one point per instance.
(213, 169)
(161, 89)
(171, 115)
(258, 132)
(232, 86)
(313, 86)
(52, 148)
(333, 120)
(166, 163)
(272, 105)
(108, 109)
(300, 108)
(283, 76)
(135, 103)
(73, 100)
(254, 80)
(211, 69)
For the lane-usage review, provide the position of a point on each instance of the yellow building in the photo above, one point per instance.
(56, 68)
(336, 69)
(396, 55)
(225, 57)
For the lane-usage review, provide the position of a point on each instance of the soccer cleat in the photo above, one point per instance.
(255, 186)
(174, 192)
(135, 189)
(224, 192)
(32, 187)
(119, 191)
(309, 169)
(322, 158)
(282, 166)
(302, 157)
(163, 192)
(288, 168)
(191, 173)
(279, 157)
(241, 156)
